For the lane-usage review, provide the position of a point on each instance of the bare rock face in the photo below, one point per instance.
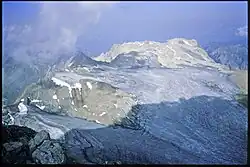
(15, 148)
(15, 152)
(49, 153)
(136, 60)
(23, 146)
(15, 133)
(38, 140)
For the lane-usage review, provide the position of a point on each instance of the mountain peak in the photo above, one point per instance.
(172, 54)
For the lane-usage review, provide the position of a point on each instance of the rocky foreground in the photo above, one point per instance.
(22, 145)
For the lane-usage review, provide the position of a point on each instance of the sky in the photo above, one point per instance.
(94, 27)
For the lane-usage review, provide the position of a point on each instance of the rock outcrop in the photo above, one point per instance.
(86, 98)
(135, 60)
(22, 145)
(49, 153)
(235, 56)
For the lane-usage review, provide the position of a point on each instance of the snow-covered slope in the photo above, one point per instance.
(172, 54)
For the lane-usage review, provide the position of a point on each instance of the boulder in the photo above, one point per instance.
(16, 133)
(15, 153)
(49, 153)
(13, 146)
(23, 145)
(38, 140)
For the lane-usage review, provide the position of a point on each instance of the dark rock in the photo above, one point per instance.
(76, 146)
(15, 153)
(4, 111)
(135, 60)
(21, 144)
(7, 120)
(13, 133)
(38, 140)
(80, 58)
(30, 162)
(49, 153)
(25, 140)
(13, 146)
(78, 98)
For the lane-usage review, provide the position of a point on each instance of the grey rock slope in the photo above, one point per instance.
(77, 96)
(16, 75)
(135, 60)
(188, 136)
(233, 55)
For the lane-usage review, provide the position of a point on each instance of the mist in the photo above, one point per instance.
(93, 27)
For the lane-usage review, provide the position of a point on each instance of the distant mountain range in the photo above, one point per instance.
(172, 54)
(233, 54)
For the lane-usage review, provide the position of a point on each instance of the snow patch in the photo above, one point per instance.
(85, 106)
(11, 118)
(115, 105)
(75, 109)
(22, 100)
(66, 70)
(59, 107)
(70, 64)
(89, 85)
(85, 68)
(41, 107)
(36, 101)
(103, 113)
(171, 50)
(187, 43)
(189, 55)
(97, 121)
(72, 102)
(54, 96)
(22, 108)
(77, 86)
(60, 82)
(55, 133)
(178, 58)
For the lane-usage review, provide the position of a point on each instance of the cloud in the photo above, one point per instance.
(242, 31)
(56, 29)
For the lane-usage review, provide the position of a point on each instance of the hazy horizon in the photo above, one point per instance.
(96, 26)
